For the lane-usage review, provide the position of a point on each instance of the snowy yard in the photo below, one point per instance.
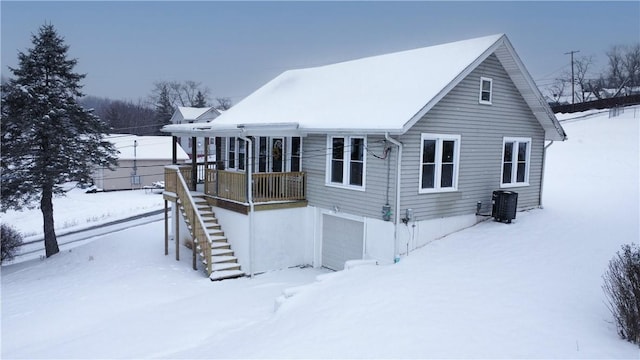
(530, 289)
(79, 210)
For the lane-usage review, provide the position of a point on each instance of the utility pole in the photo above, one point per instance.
(573, 80)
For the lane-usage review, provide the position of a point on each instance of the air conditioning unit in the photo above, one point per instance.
(504, 205)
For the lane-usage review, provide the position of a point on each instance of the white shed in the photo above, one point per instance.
(141, 162)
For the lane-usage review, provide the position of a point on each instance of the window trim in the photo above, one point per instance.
(228, 157)
(346, 168)
(514, 156)
(290, 155)
(480, 100)
(439, 138)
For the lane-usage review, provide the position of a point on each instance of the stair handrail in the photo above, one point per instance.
(199, 227)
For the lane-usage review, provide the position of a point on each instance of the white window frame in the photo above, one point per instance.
(514, 161)
(439, 138)
(346, 168)
(287, 148)
(482, 80)
(236, 154)
(289, 159)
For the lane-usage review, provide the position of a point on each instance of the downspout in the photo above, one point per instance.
(544, 161)
(396, 255)
(249, 156)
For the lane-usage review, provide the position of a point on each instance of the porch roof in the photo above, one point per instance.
(380, 94)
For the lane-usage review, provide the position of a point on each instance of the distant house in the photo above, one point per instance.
(368, 159)
(193, 115)
(141, 162)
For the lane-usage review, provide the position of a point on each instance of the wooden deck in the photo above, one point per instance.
(228, 189)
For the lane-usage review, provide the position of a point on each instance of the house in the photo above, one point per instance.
(367, 159)
(193, 115)
(141, 162)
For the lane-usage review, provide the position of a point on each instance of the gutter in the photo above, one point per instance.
(396, 250)
(544, 161)
(248, 149)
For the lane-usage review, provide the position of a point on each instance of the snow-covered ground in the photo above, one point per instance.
(79, 210)
(530, 289)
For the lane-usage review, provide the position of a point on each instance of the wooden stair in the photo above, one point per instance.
(224, 264)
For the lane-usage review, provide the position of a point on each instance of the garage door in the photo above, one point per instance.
(341, 241)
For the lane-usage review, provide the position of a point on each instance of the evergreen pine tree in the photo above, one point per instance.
(200, 101)
(164, 108)
(47, 137)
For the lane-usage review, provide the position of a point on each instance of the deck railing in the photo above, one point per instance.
(229, 185)
(202, 170)
(187, 173)
(267, 187)
(278, 186)
(196, 224)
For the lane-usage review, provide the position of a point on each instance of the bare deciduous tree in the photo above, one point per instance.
(615, 75)
(223, 103)
(623, 71)
(581, 69)
(557, 90)
(180, 93)
(631, 64)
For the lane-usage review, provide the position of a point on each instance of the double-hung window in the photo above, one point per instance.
(231, 153)
(296, 159)
(346, 161)
(236, 153)
(486, 90)
(242, 154)
(515, 161)
(439, 162)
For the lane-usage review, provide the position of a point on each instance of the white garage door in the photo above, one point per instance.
(341, 241)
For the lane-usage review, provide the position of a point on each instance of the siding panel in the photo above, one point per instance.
(482, 128)
(362, 203)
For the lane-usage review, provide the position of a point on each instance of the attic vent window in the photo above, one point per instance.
(486, 88)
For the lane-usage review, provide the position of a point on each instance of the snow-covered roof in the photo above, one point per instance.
(194, 114)
(146, 147)
(385, 93)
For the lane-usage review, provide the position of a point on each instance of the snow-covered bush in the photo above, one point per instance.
(10, 241)
(622, 287)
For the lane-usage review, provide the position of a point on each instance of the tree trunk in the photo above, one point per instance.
(46, 205)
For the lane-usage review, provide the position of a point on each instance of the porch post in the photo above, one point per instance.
(206, 152)
(194, 163)
(166, 228)
(206, 163)
(174, 150)
(176, 232)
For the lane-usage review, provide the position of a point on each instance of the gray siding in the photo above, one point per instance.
(364, 203)
(482, 128)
